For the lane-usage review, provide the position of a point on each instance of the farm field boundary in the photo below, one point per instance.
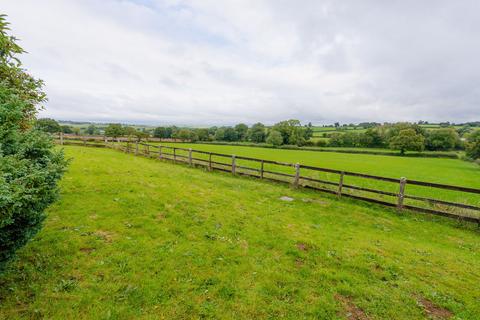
(305, 176)
(75, 139)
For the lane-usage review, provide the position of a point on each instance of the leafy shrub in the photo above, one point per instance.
(321, 143)
(29, 166)
(275, 138)
(473, 145)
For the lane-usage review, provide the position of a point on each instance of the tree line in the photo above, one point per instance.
(408, 137)
(284, 132)
(402, 136)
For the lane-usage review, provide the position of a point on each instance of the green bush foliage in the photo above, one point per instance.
(473, 146)
(29, 165)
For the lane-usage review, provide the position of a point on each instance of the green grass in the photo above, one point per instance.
(449, 171)
(134, 238)
(445, 171)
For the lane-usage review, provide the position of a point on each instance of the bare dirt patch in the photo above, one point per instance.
(299, 262)
(432, 310)
(302, 246)
(87, 250)
(104, 235)
(351, 311)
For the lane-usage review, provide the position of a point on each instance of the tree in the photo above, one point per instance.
(30, 167)
(186, 135)
(67, 129)
(241, 130)
(373, 138)
(160, 132)
(219, 134)
(308, 131)
(336, 140)
(473, 145)
(202, 134)
(275, 138)
(230, 134)
(114, 130)
(292, 132)
(14, 77)
(464, 130)
(257, 133)
(407, 140)
(48, 125)
(140, 135)
(91, 129)
(442, 139)
(393, 130)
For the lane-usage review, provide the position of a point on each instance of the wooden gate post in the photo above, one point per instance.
(147, 150)
(190, 162)
(210, 161)
(174, 155)
(234, 165)
(297, 175)
(159, 152)
(401, 193)
(136, 148)
(340, 184)
(61, 138)
(84, 141)
(261, 170)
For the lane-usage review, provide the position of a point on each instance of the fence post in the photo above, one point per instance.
(210, 161)
(190, 162)
(174, 155)
(106, 141)
(261, 170)
(340, 184)
(401, 193)
(127, 148)
(297, 175)
(61, 138)
(233, 164)
(84, 141)
(160, 152)
(136, 148)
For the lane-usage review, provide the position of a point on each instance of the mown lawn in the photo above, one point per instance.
(134, 238)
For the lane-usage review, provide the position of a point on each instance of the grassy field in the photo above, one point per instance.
(446, 171)
(134, 238)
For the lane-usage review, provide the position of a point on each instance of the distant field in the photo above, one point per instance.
(445, 171)
(135, 238)
(435, 170)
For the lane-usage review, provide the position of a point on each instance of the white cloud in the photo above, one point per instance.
(221, 62)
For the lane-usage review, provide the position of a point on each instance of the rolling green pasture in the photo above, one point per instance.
(448, 171)
(444, 171)
(136, 238)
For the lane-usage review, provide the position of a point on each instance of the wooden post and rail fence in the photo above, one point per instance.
(460, 211)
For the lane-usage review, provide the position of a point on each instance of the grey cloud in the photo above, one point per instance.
(220, 62)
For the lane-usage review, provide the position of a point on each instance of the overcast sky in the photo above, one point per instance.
(212, 62)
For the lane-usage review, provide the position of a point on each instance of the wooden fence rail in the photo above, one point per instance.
(232, 163)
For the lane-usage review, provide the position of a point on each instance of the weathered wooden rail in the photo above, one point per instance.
(235, 165)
